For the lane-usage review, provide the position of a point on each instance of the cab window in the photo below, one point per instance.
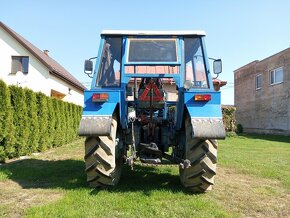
(152, 50)
(110, 63)
(194, 61)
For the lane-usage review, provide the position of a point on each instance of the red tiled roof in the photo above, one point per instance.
(54, 68)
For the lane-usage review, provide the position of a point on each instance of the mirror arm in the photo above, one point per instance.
(217, 75)
(89, 74)
(93, 58)
(212, 59)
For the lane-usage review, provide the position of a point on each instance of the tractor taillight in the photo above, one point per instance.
(100, 97)
(202, 97)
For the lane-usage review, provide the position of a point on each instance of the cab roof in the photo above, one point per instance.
(153, 33)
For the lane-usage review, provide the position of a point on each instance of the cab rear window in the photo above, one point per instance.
(152, 50)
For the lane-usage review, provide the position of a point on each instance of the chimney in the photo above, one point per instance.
(46, 52)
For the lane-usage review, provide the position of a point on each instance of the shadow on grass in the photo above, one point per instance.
(35, 173)
(274, 138)
(148, 179)
(69, 174)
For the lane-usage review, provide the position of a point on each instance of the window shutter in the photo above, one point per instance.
(25, 63)
(16, 65)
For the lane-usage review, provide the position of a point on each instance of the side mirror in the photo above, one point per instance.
(217, 66)
(88, 67)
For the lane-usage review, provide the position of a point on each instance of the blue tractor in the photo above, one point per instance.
(152, 98)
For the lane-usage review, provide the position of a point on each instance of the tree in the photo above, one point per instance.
(77, 113)
(62, 123)
(42, 120)
(7, 129)
(51, 123)
(58, 129)
(71, 122)
(32, 120)
(18, 102)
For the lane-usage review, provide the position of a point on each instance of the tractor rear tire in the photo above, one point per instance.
(103, 159)
(199, 169)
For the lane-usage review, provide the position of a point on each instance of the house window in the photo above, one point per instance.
(259, 81)
(20, 63)
(276, 76)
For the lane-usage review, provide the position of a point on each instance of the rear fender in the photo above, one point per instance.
(206, 116)
(97, 117)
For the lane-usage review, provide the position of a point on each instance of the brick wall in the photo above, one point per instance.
(266, 110)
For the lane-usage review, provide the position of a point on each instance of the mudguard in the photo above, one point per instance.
(206, 116)
(97, 116)
(208, 128)
(95, 126)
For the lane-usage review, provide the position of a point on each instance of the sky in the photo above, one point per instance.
(238, 31)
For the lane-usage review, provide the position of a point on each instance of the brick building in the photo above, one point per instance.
(262, 95)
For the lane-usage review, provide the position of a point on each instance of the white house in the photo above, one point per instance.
(23, 64)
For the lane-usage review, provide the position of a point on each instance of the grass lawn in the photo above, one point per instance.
(262, 156)
(253, 180)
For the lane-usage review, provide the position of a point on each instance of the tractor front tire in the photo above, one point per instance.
(199, 168)
(103, 159)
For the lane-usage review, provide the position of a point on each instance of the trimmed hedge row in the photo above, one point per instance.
(229, 118)
(32, 122)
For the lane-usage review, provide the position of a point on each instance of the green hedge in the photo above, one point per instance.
(7, 129)
(229, 118)
(32, 122)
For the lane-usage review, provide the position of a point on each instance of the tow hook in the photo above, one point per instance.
(185, 164)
